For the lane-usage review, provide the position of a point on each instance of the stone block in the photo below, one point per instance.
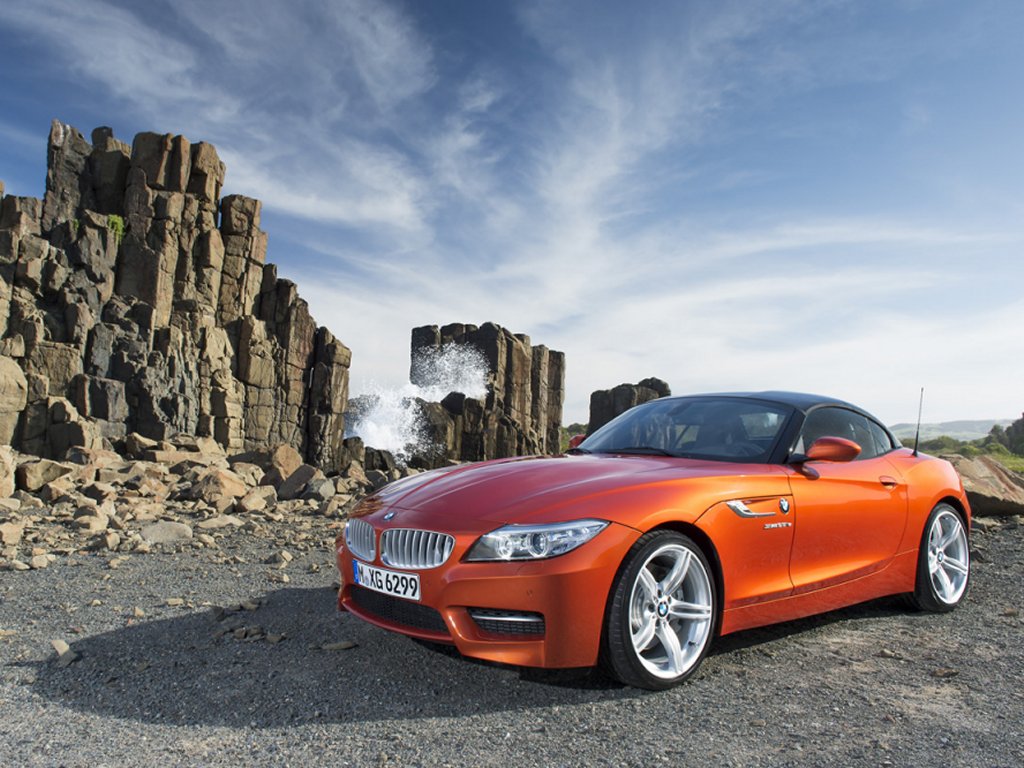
(165, 159)
(99, 398)
(108, 166)
(59, 363)
(68, 182)
(33, 475)
(207, 174)
(8, 467)
(606, 404)
(295, 484)
(13, 398)
(20, 215)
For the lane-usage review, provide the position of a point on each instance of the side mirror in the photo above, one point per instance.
(832, 449)
(575, 440)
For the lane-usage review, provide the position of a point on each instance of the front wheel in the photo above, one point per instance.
(944, 561)
(661, 612)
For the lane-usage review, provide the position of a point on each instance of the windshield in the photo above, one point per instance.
(721, 429)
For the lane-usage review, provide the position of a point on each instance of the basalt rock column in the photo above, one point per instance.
(606, 404)
(135, 299)
(522, 410)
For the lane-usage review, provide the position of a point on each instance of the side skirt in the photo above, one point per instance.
(895, 579)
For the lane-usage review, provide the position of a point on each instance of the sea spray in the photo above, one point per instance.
(388, 418)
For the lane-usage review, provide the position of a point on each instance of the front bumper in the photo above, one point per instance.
(569, 592)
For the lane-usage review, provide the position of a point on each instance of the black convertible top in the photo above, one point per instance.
(801, 401)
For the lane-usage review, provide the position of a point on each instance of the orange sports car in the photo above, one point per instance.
(683, 519)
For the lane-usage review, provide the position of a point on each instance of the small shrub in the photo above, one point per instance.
(116, 225)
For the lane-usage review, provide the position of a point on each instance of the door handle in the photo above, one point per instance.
(888, 482)
(743, 510)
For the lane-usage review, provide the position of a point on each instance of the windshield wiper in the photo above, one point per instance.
(579, 450)
(648, 449)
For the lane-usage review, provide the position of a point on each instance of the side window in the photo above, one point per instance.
(839, 422)
(882, 439)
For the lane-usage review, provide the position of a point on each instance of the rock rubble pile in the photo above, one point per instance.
(163, 495)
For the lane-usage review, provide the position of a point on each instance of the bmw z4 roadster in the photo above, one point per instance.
(683, 519)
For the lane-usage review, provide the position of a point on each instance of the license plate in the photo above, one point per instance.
(404, 585)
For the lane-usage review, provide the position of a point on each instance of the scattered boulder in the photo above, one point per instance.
(252, 474)
(58, 489)
(284, 459)
(65, 656)
(992, 489)
(33, 475)
(136, 445)
(13, 397)
(91, 519)
(319, 489)
(377, 479)
(8, 468)
(257, 499)
(296, 482)
(166, 532)
(11, 533)
(220, 521)
(218, 488)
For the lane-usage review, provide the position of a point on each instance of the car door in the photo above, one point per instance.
(850, 516)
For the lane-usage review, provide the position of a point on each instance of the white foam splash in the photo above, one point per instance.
(391, 421)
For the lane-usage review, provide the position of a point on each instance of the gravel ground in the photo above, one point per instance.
(167, 684)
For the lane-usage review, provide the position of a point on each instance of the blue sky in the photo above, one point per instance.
(820, 196)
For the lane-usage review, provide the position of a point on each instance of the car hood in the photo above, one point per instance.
(539, 489)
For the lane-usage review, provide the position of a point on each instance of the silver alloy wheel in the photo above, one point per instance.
(670, 611)
(949, 557)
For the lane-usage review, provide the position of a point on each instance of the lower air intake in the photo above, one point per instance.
(397, 611)
(521, 623)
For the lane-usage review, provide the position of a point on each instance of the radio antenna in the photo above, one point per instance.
(920, 405)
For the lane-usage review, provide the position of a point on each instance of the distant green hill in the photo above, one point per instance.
(959, 430)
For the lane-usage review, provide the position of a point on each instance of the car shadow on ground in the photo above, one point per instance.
(750, 638)
(177, 671)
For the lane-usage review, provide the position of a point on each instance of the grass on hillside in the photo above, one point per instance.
(1010, 461)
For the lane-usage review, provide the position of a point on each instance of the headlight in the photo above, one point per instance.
(534, 542)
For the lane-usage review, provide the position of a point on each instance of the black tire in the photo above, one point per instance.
(943, 571)
(640, 606)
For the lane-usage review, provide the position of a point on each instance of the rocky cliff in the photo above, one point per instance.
(606, 404)
(522, 411)
(134, 298)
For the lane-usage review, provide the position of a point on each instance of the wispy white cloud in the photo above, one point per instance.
(137, 63)
(235, 79)
(394, 62)
(585, 192)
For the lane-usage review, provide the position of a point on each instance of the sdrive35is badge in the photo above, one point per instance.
(784, 505)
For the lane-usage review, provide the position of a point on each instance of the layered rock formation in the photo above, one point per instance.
(991, 488)
(522, 411)
(133, 298)
(606, 404)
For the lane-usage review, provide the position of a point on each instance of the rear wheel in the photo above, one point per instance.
(944, 561)
(661, 613)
